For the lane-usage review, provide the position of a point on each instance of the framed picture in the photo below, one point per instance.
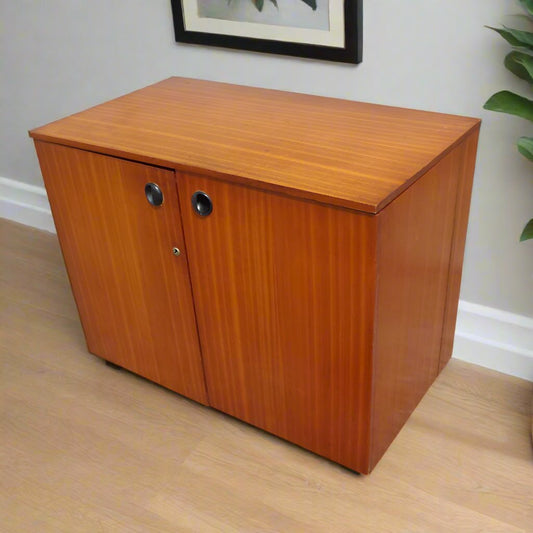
(320, 29)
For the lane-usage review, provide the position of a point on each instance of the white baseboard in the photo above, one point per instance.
(485, 336)
(494, 339)
(26, 204)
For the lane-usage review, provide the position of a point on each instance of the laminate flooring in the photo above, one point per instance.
(87, 448)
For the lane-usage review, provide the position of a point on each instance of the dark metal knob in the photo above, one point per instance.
(153, 194)
(201, 203)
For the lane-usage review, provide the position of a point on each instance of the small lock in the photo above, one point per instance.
(176, 251)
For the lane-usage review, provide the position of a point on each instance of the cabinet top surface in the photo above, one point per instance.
(346, 153)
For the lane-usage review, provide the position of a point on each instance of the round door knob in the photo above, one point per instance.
(154, 195)
(176, 251)
(201, 203)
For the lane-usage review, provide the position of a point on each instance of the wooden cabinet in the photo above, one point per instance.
(316, 298)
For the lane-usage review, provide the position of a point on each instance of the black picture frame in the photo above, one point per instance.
(350, 53)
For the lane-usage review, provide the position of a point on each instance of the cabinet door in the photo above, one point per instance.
(284, 294)
(133, 294)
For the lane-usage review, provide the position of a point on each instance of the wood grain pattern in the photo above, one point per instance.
(133, 295)
(86, 449)
(465, 172)
(415, 235)
(326, 279)
(284, 294)
(345, 153)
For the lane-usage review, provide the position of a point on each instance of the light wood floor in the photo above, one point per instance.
(84, 447)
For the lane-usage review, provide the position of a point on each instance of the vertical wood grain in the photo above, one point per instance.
(284, 293)
(325, 281)
(414, 246)
(133, 295)
(465, 161)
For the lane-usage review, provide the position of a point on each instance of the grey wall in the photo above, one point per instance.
(61, 56)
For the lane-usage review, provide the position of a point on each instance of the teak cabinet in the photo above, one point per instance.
(302, 270)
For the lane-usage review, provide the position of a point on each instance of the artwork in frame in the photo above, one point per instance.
(320, 29)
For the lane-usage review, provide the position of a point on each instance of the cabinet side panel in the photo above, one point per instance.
(414, 245)
(284, 293)
(133, 295)
(465, 168)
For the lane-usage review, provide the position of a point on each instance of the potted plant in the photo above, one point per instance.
(520, 62)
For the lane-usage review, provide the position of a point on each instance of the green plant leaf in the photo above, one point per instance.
(520, 65)
(511, 103)
(527, 232)
(525, 147)
(258, 4)
(528, 6)
(510, 37)
(311, 4)
(524, 37)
